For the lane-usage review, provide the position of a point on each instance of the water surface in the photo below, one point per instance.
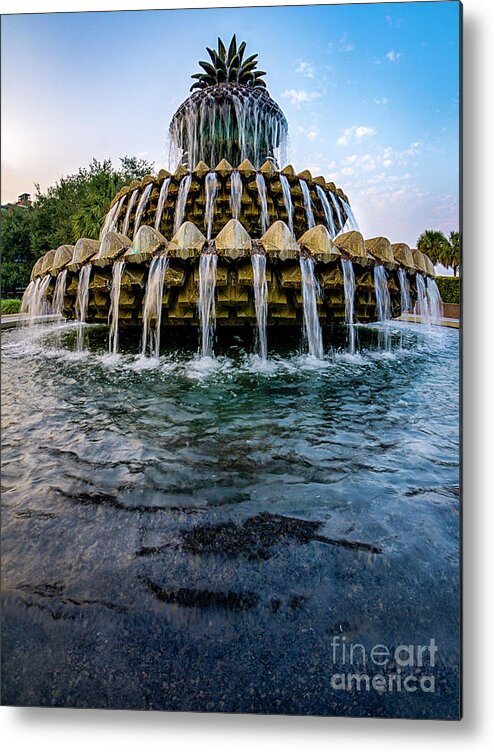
(152, 551)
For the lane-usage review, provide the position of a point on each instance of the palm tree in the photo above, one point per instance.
(454, 244)
(434, 243)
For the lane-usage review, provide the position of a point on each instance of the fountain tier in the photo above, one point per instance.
(234, 286)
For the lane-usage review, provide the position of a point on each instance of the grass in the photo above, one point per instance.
(12, 305)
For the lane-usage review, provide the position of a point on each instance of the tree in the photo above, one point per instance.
(17, 254)
(74, 207)
(434, 244)
(454, 252)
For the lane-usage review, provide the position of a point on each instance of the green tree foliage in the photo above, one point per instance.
(449, 287)
(433, 243)
(454, 254)
(440, 249)
(17, 254)
(74, 207)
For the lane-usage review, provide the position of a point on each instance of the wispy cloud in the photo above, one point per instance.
(355, 133)
(311, 133)
(345, 45)
(395, 23)
(381, 101)
(305, 69)
(300, 96)
(393, 56)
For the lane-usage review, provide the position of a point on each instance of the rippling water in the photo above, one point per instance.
(147, 557)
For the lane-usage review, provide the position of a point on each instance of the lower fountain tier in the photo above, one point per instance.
(234, 293)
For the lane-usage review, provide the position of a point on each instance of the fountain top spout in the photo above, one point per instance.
(229, 114)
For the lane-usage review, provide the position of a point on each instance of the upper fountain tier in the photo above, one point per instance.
(230, 116)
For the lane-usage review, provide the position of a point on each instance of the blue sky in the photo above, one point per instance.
(371, 94)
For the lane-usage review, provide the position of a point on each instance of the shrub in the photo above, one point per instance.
(449, 287)
(12, 305)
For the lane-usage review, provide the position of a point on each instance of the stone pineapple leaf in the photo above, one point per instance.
(221, 49)
(232, 50)
(228, 66)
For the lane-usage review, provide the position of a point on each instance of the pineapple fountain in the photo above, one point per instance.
(234, 239)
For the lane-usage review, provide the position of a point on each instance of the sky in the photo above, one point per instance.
(370, 92)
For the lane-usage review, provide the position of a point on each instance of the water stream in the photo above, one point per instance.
(351, 222)
(261, 302)
(206, 303)
(183, 192)
(349, 290)
(35, 301)
(287, 199)
(117, 272)
(261, 188)
(81, 303)
(309, 212)
(406, 298)
(337, 207)
(161, 202)
(383, 303)
(111, 219)
(211, 187)
(132, 200)
(422, 305)
(59, 293)
(153, 306)
(310, 293)
(236, 194)
(435, 300)
(328, 213)
(141, 206)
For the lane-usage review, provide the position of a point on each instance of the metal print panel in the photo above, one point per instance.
(231, 360)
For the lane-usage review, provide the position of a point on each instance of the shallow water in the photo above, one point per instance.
(112, 465)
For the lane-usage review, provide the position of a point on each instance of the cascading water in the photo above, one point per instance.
(310, 291)
(328, 213)
(309, 212)
(117, 272)
(59, 293)
(383, 303)
(236, 194)
(435, 300)
(132, 200)
(422, 305)
(111, 218)
(242, 124)
(153, 304)
(81, 303)
(351, 221)
(287, 199)
(260, 301)
(161, 202)
(349, 289)
(34, 300)
(206, 303)
(406, 298)
(142, 205)
(211, 193)
(261, 189)
(337, 208)
(183, 192)
(27, 296)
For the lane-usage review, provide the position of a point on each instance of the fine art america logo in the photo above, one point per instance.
(405, 668)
